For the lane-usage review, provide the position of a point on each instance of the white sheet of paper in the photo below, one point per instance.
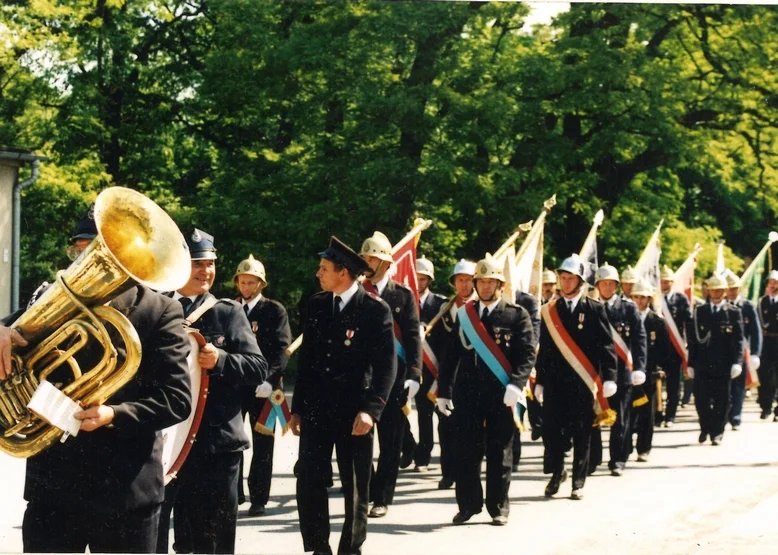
(55, 407)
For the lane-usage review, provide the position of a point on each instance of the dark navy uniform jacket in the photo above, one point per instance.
(715, 340)
(347, 362)
(624, 316)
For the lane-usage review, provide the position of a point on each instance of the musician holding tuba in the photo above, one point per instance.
(103, 488)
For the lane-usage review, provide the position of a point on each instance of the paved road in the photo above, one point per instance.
(688, 498)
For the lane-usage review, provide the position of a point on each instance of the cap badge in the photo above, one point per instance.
(196, 237)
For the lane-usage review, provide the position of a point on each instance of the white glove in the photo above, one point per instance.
(445, 406)
(690, 372)
(754, 363)
(263, 390)
(412, 386)
(512, 395)
(539, 393)
(609, 388)
(735, 371)
(638, 377)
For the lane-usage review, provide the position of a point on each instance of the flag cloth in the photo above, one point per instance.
(752, 280)
(684, 275)
(404, 268)
(721, 266)
(647, 266)
(588, 251)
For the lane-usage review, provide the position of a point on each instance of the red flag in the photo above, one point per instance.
(404, 270)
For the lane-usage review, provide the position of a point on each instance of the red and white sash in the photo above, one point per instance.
(578, 361)
(675, 336)
(622, 350)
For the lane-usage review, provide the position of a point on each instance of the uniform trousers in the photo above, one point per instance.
(391, 431)
(737, 396)
(535, 417)
(261, 468)
(564, 422)
(483, 431)
(711, 398)
(204, 498)
(425, 409)
(446, 438)
(767, 372)
(314, 474)
(673, 374)
(643, 421)
(50, 528)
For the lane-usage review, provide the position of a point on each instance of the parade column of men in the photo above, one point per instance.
(568, 405)
(270, 325)
(752, 344)
(346, 371)
(715, 358)
(485, 368)
(628, 328)
(204, 494)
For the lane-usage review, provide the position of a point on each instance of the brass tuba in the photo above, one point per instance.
(136, 242)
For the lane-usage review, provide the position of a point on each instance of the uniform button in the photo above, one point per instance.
(328, 354)
(329, 341)
(327, 369)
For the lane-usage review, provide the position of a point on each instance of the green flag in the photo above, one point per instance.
(752, 280)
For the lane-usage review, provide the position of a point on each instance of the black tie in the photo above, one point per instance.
(186, 302)
(336, 306)
(246, 309)
(485, 314)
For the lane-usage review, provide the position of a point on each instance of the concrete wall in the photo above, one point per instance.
(8, 172)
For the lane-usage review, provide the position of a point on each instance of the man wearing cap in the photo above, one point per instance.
(548, 287)
(629, 277)
(629, 339)
(79, 493)
(205, 493)
(377, 252)
(346, 370)
(270, 325)
(576, 372)
(461, 280)
(752, 346)
(681, 312)
(768, 371)
(429, 305)
(658, 348)
(715, 358)
(482, 377)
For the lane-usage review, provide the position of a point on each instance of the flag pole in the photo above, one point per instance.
(419, 225)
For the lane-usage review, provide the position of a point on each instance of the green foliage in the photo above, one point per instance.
(276, 124)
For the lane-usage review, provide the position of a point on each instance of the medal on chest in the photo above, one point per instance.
(580, 320)
(349, 335)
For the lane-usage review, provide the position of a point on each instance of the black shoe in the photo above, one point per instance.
(463, 516)
(515, 468)
(716, 440)
(256, 509)
(616, 471)
(241, 499)
(775, 418)
(535, 434)
(406, 459)
(553, 485)
(703, 437)
(378, 511)
(764, 415)
(445, 483)
(500, 520)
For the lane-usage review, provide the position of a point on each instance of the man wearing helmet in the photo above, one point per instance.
(752, 345)
(715, 358)
(576, 372)
(429, 305)
(482, 377)
(682, 316)
(548, 287)
(658, 348)
(629, 277)
(461, 279)
(629, 340)
(270, 325)
(376, 251)
(768, 371)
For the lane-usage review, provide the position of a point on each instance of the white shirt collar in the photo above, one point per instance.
(345, 297)
(610, 302)
(423, 297)
(489, 307)
(177, 295)
(644, 313)
(574, 301)
(381, 285)
(252, 303)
